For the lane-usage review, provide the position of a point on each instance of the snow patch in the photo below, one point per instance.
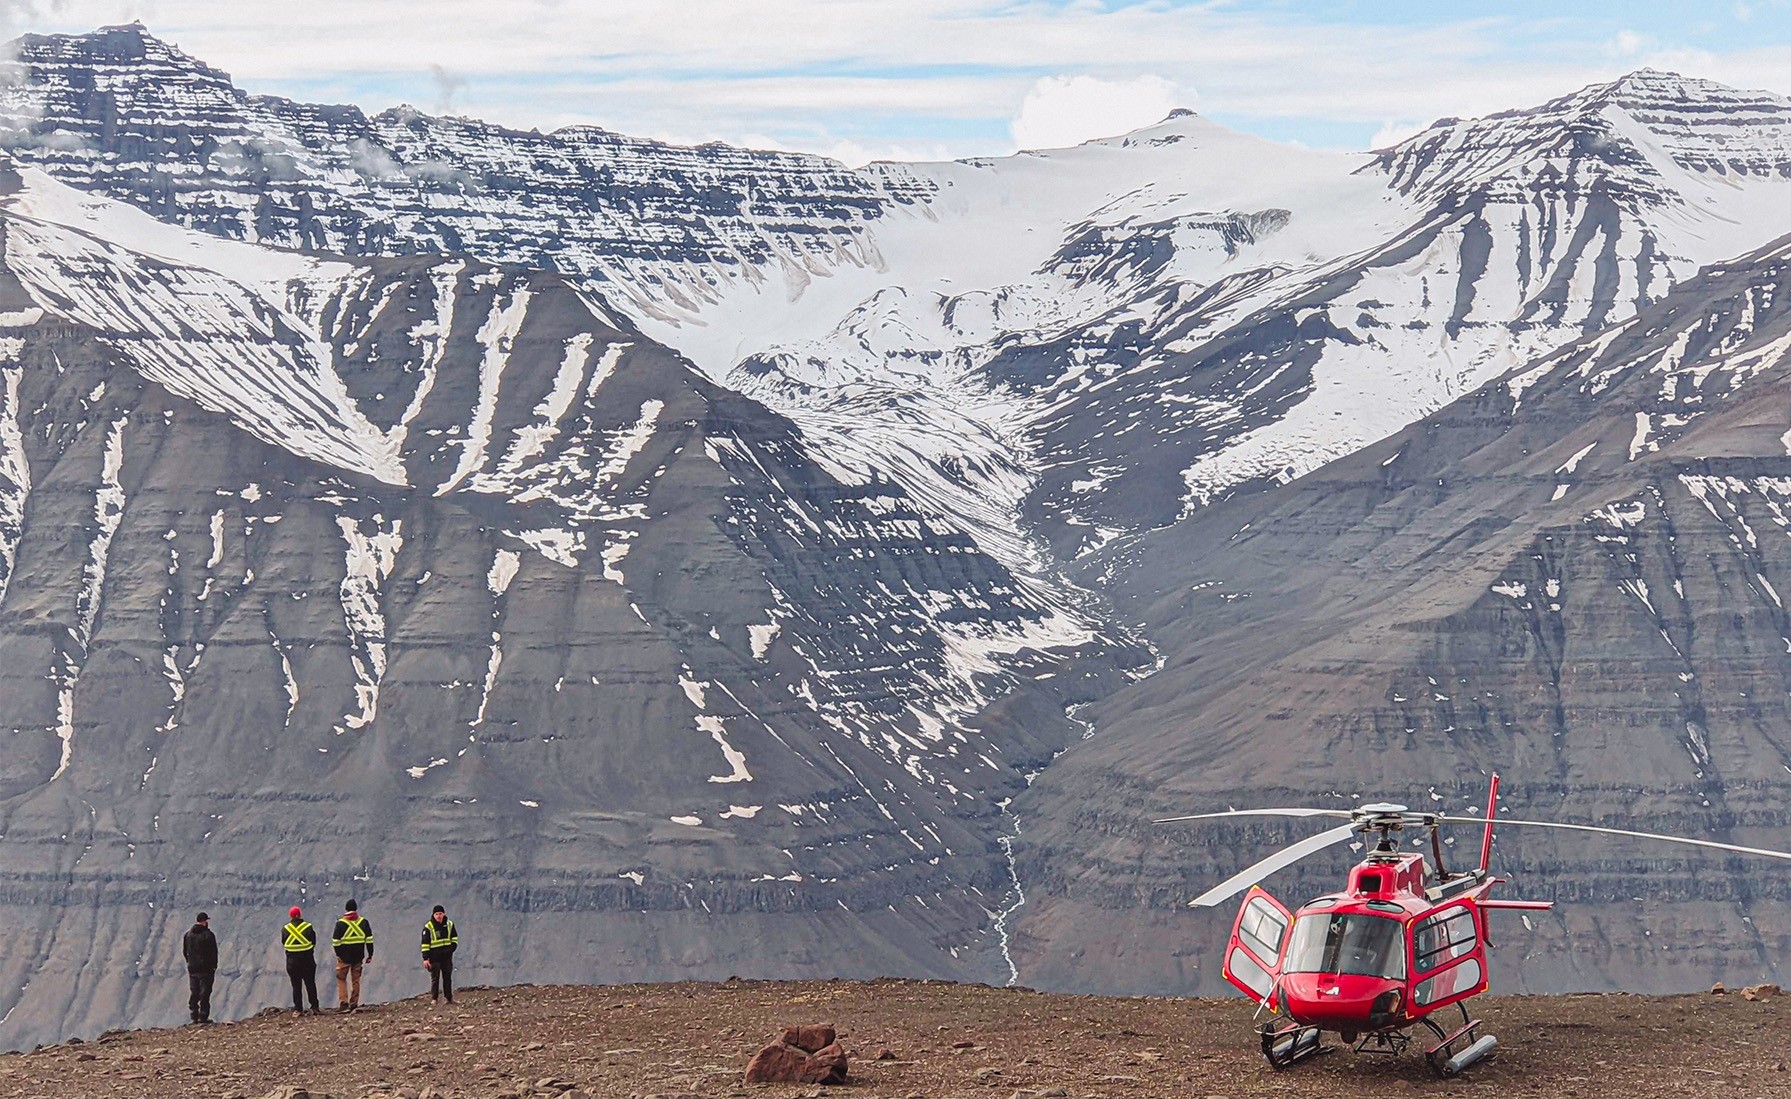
(369, 557)
(762, 635)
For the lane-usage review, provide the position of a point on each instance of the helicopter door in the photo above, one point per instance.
(1448, 957)
(1253, 956)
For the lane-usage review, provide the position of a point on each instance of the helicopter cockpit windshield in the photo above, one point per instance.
(1368, 946)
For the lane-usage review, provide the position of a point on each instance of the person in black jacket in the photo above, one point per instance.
(353, 940)
(200, 948)
(439, 941)
(299, 939)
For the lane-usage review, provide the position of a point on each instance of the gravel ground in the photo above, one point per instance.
(946, 1040)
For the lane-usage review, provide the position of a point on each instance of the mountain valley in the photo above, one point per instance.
(694, 561)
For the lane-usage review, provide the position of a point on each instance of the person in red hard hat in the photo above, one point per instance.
(300, 941)
(353, 941)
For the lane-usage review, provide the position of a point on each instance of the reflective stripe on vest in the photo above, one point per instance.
(299, 939)
(439, 936)
(354, 933)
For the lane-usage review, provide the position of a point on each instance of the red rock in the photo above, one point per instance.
(1717, 989)
(1761, 992)
(783, 1063)
(809, 1038)
(776, 1064)
(827, 1065)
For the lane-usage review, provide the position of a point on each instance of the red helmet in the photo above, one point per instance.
(296, 912)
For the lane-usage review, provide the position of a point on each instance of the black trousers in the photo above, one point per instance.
(441, 977)
(199, 996)
(301, 970)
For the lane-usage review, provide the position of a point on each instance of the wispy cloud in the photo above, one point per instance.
(958, 76)
(447, 85)
(1065, 110)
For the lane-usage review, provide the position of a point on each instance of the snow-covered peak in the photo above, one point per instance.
(138, 70)
(976, 329)
(1650, 88)
(1627, 130)
(989, 224)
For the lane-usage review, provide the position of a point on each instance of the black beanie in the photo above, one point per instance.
(353, 905)
(437, 908)
(202, 917)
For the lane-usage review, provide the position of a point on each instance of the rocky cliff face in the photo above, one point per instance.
(422, 579)
(1047, 351)
(1572, 575)
(124, 113)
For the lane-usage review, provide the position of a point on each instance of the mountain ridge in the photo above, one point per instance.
(693, 560)
(613, 606)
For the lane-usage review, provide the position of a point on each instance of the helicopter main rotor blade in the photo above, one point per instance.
(1287, 856)
(1340, 814)
(1713, 844)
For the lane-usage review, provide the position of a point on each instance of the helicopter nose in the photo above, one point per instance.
(1334, 1001)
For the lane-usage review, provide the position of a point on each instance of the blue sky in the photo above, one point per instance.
(934, 78)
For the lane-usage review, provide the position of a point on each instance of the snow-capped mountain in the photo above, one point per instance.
(422, 577)
(686, 559)
(1036, 347)
(1575, 575)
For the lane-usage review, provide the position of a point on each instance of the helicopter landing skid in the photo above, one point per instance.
(1457, 1050)
(1287, 1045)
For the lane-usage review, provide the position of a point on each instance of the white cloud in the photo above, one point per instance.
(1067, 110)
(957, 75)
(1392, 133)
(854, 154)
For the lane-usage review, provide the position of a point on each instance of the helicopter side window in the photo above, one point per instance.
(1368, 946)
(1441, 938)
(1262, 929)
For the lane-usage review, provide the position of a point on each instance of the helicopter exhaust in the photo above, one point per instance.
(1472, 1055)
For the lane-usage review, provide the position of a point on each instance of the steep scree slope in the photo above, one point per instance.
(422, 579)
(1575, 575)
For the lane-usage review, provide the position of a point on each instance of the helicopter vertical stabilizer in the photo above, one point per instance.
(1492, 808)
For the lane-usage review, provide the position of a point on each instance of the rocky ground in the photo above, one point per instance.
(944, 1040)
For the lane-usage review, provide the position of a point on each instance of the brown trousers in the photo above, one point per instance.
(348, 982)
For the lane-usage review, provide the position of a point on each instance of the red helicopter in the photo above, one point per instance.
(1400, 943)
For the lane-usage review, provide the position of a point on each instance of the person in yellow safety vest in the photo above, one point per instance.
(439, 941)
(353, 940)
(300, 941)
